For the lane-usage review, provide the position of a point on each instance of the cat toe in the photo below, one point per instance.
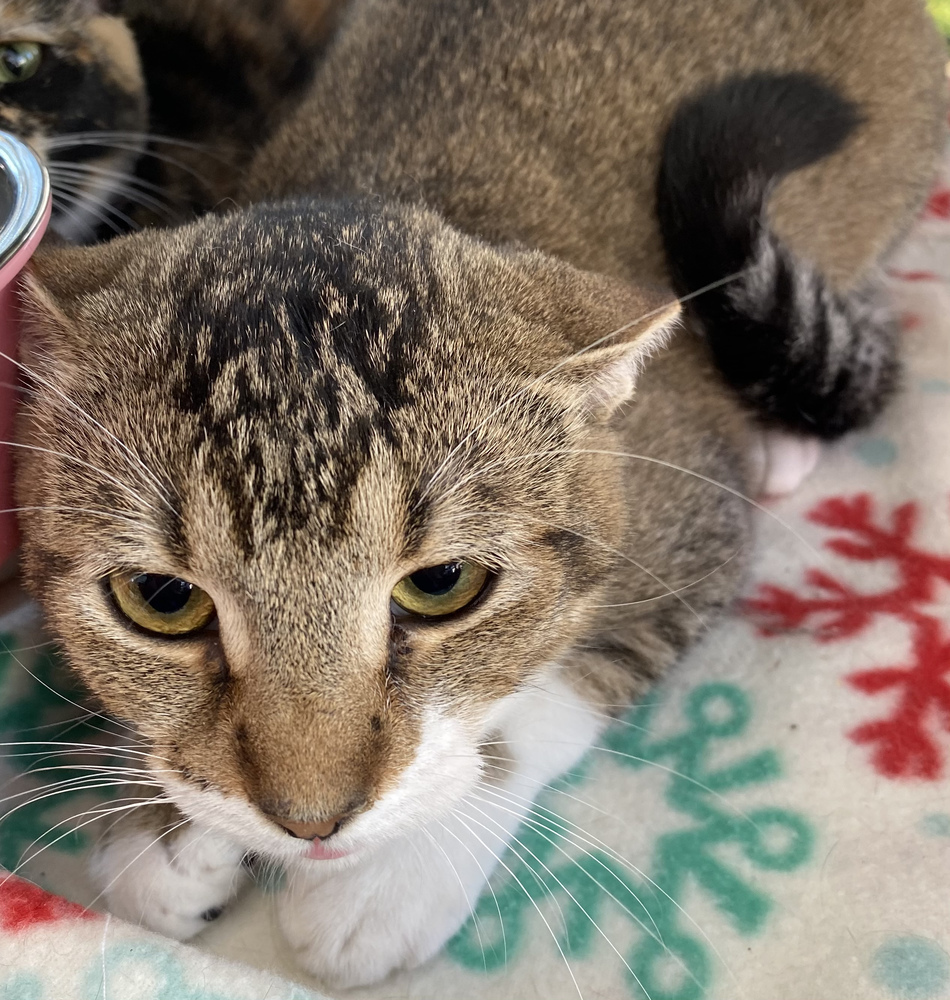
(174, 887)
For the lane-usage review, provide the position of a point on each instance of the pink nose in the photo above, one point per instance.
(310, 831)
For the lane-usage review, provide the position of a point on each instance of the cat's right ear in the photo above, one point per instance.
(52, 289)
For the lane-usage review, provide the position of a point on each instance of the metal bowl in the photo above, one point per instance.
(25, 205)
(24, 201)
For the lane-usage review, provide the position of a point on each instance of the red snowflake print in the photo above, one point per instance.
(905, 743)
(938, 205)
(24, 905)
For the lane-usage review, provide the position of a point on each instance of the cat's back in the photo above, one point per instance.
(541, 120)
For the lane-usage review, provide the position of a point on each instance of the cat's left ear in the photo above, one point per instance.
(610, 328)
(602, 374)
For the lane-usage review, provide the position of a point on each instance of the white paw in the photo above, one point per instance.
(784, 461)
(173, 884)
(392, 910)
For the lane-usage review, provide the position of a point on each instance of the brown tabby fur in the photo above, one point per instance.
(544, 124)
(334, 393)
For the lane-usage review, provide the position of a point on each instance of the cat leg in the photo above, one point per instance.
(163, 872)
(353, 924)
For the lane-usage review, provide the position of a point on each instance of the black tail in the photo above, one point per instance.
(800, 353)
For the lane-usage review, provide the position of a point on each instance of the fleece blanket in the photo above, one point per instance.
(773, 821)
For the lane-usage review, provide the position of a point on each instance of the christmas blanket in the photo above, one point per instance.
(771, 823)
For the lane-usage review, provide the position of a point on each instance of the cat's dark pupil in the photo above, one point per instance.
(163, 594)
(16, 61)
(437, 580)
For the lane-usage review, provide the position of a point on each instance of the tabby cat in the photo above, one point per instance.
(369, 528)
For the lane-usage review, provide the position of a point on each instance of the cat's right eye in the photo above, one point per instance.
(19, 61)
(166, 605)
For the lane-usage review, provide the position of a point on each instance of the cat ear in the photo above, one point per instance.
(610, 329)
(603, 377)
(51, 289)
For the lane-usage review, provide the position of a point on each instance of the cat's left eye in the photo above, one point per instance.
(19, 61)
(166, 605)
(437, 591)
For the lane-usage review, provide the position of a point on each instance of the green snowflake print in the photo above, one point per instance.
(671, 959)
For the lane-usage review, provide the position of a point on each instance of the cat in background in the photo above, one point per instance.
(92, 85)
(71, 86)
(390, 495)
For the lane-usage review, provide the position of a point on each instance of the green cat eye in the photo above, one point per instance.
(163, 604)
(437, 591)
(19, 61)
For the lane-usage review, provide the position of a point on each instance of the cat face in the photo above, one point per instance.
(366, 441)
(71, 86)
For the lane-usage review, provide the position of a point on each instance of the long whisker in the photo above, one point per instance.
(580, 838)
(487, 882)
(99, 815)
(96, 211)
(67, 179)
(147, 153)
(91, 169)
(148, 847)
(62, 203)
(571, 895)
(468, 902)
(67, 139)
(521, 885)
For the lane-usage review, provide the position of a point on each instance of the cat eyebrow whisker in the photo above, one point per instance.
(566, 360)
(112, 515)
(679, 590)
(672, 466)
(83, 463)
(59, 694)
(461, 817)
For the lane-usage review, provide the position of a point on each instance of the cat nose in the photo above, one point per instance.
(311, 831)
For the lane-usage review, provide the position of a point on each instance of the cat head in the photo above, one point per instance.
(71, 86)
(310, 493)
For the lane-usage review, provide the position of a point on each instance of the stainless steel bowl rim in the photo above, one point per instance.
(31, 195)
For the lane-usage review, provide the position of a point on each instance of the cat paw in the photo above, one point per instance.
(784, 461)
(174, 884)
(356, 926)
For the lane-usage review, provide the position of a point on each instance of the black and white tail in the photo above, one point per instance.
(802, 354)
